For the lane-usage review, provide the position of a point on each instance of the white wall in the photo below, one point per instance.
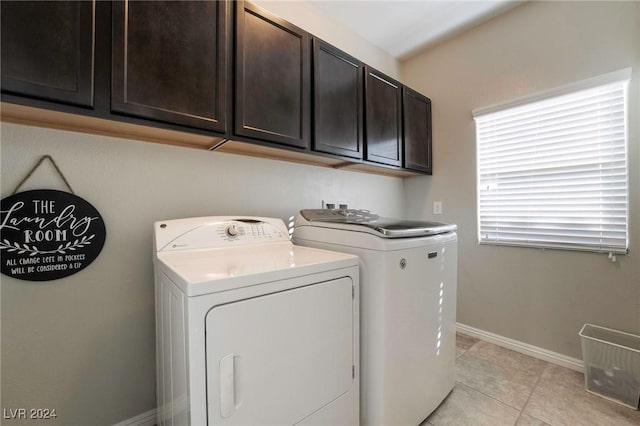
(535, 296)
(85, 344)
(309, 17)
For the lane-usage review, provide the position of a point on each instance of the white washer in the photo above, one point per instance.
(252, 330)
(408, 278)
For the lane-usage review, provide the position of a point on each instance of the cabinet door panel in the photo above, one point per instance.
(169, 61)
(337, 83)
(383, 117)
(47, 50)
(417, 131)
(272, 78)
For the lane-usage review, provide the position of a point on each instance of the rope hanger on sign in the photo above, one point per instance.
(38, 164)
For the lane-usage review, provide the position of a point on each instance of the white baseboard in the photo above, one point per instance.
(145, 419)
(524, 348)
(149, 418)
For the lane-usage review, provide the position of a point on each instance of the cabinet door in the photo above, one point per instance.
(272, 77)
(47, 50)
(417, 131)
(337, 101)
(383, 118)
(169, 61)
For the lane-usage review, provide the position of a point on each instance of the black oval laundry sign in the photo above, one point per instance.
(47, 234)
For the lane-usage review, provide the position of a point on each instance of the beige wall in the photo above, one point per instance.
(307, 16)
(534, 296)
(85, 345)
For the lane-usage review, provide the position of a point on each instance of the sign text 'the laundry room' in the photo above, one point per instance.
(48, 234)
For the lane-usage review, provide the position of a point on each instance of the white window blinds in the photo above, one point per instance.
(552, 173)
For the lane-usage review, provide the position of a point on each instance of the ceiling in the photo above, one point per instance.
(402, 28)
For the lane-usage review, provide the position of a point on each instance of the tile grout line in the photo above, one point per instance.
(520, 411)
(490, 397)
(531, 394)
(493, 398)
(543, 410)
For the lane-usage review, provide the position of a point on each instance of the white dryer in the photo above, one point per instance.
(408, 282)
(251, 329)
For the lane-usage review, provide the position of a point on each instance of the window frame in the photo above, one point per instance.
(621, 76)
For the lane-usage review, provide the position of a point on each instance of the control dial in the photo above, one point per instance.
(232, 230)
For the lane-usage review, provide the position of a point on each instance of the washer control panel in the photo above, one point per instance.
(188, 234)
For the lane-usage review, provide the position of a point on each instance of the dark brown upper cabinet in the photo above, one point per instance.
(169, 61)
(337, 101)
(383, 118)
(417, 131)
(171, 65)
(48, 50)
(272, 78)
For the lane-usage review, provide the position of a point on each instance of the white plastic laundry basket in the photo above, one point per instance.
(612, 364)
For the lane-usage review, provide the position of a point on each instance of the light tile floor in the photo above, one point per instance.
(496, 386)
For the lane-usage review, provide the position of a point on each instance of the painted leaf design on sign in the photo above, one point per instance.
(62, 248)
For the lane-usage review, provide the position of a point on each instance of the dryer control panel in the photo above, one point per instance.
(212, 232)
(248, 230)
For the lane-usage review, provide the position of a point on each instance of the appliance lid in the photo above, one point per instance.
(214, 270)
(205, 265)
(212, 254)
(365, 221)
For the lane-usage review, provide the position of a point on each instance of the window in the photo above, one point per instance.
(552, 169)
